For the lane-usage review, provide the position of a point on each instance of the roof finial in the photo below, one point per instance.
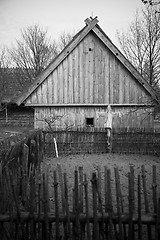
(90, 20)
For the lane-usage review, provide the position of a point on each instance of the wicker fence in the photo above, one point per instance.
(76, 141)
(81, 141)
(137, 141)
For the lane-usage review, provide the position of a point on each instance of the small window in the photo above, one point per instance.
(89, 121)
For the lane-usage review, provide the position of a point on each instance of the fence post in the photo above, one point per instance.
(87, 206)
(95, 207)
(76, 195)
(146, 199)
(119, 207)
(131, 207)
(56, 205)
(67, 207)
(139, 209)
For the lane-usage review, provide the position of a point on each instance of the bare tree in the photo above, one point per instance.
(4, 71)
(64, 39)
(33, 52)
(151, 2)
(141, 44)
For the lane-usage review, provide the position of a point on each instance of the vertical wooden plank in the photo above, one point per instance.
(130, 198)
(132, 185)
(81, 187)
(91, 68)
(56, 205)
(44, 92)
(118, 196)
(67, 206)
(154, 187)
(65, 86)
(110, 207)
(49, 89)
(45, 207)
(107, 78)
(61, 185)
(111, 62)
(73, 75)
(100, 75)
(87, 207)
(96, 72)
(76, 190)
(55, 86)
(10, 197)
(100, 204)
(39, 206)
(76, 75)
(154, 194)
(139, 209)
(106, 200)
(70, 79)
(95, 207)
(25, 154)
(144, 184)
(99, 189)
(158, 219)
(121, 84)
(81, 62)
(11, 179)
(61, 83)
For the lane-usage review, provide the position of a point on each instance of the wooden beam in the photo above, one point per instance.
(89, 105)
(89, 21)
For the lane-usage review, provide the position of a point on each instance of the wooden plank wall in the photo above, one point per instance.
(90, 74)
(123, 117)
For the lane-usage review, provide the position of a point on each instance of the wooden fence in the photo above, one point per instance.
(81, 141)
(41, 203)
(21, 150)
(76, 141)
(44, 204)
(137, 141)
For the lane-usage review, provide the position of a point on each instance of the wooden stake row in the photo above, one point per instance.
(47, 208)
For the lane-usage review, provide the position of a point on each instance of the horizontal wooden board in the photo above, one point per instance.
(67, 117)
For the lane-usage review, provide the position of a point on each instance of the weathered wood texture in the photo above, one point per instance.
(17, 117)
(89, 74)
(123, 117)
(83, 140)
(34, 205)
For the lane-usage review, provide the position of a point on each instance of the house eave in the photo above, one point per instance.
(90, 105)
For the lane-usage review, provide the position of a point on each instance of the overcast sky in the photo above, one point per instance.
(63, 15)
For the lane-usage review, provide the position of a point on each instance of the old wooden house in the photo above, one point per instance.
(87, 76)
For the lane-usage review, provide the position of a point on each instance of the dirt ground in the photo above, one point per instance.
(6, 132)
(90, 164)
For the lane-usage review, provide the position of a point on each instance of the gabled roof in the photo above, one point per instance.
(91, 25)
